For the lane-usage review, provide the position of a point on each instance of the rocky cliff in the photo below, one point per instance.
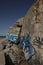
(33, 25)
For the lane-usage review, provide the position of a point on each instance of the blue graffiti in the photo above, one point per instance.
(12, 38)
(28, 45)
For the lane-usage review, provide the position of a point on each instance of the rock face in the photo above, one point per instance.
(20, 21)
(2, 58)
(32, 24)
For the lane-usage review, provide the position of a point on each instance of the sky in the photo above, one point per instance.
(10, 11)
